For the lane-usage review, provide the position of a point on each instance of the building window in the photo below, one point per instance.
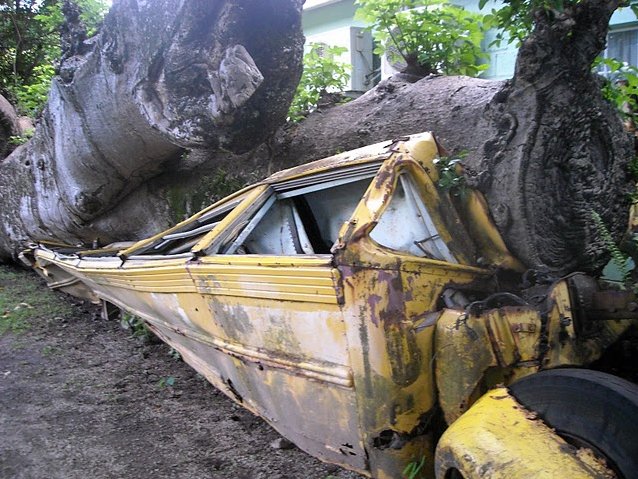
(623, 46)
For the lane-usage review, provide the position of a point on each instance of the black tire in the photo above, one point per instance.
(587, 408)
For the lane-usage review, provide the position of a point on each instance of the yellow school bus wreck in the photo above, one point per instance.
(359, 309)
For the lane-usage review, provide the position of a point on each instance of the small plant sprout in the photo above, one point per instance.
(413, 469)
(23, 138)
(619, 269)
(450, 171)
(136, 325)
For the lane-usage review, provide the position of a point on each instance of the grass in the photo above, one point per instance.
(24, 298)
(50, 350)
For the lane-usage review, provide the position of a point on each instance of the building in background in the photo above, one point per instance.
(332, 22)
(622, 42)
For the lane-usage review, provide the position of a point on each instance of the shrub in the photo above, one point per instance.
(322, 73)
(431, 36)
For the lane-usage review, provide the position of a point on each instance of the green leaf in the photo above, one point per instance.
(411, 471)
(166, 381)
(616, 273)
(435, 36)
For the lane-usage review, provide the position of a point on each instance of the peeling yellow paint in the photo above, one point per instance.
(353, 355)
(530, 449)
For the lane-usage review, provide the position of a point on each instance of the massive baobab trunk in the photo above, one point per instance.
(545, 148)
(560, 153)
(162, 76)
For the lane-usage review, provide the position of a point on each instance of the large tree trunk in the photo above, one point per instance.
(545, 148)
(560, 153)
(162, 76)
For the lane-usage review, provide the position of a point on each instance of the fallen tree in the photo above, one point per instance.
(160, 77)
(545, 148)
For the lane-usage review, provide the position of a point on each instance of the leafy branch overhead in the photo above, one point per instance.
(30, 46)
(430, 36)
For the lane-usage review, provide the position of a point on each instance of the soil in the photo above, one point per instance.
(82, 397)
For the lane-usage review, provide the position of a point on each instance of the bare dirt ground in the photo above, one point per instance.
(82, 397)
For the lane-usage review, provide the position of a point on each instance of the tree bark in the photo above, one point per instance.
(9, 126)
(545, 148)
(162, 76)
(560, 152)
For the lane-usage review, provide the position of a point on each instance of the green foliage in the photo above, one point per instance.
(619, 269)
(413, 469)
(91, 14)
(322, 73)
(621, 88)
(136, 325)
(30, 46)
(432, 36)
(24, 42)
(619, 273)
(33, 97)
(516, 17)
(23, 299)
(22, 139)
(174, 353)
(451, 174)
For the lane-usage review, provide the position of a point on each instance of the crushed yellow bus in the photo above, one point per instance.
(376, 319)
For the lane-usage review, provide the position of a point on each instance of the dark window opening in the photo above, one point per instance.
(303, 220)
